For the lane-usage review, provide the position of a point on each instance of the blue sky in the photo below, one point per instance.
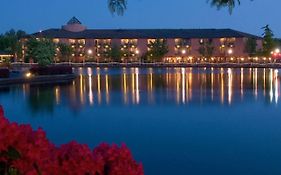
(35, 15)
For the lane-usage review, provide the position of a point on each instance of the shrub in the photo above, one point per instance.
(4, 73)
(51, 70)
(27, 152)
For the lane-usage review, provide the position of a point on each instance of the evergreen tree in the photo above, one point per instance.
(41, 51)
(158, 49)
(11, 43)
(251, 46)
(268, 41)
(65, 52)
(206, 49)
(115, 54)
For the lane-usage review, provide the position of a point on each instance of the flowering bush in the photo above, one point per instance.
(27, 152)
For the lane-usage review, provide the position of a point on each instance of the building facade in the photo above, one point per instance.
(184, 45)
(5, 56)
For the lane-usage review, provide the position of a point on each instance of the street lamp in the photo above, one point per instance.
(183, 52)
(90, 53)
(230, 52)
(276, 54)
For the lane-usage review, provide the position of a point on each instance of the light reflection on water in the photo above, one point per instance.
(178, 86)
(192, 121)
(96, 86)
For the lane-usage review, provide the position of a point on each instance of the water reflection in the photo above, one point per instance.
(133, 86)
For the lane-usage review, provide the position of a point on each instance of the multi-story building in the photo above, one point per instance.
(184, 45)
(4, 56)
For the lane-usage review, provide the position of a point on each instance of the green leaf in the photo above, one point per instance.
(13, 171)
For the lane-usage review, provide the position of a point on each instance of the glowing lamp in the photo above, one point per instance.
(230, 51)
(90, 52)
(28, 75)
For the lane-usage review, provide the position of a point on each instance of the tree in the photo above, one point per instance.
(158, 49)
(65, 52)
(230, 4)
(11, 43)
(119, 6)
(115, 53)
(41, 51)
(206, 49)
(251, 46)
(268, 41)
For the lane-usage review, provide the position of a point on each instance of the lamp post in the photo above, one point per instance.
(137, 52)
(183, 52)
(230, 52)
(276, 54)
(90, 53)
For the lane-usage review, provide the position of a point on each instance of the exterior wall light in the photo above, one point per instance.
(90, 52)
(183, 51)
(230, 51)
(28, 75)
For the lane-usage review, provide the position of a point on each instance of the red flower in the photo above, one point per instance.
(31, 153)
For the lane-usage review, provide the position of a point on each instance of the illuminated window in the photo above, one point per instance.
(124, 41)
(151, 41)
(81, 41)
(72, 41)
(56, 40)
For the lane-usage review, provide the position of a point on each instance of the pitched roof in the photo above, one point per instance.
(74, 20)
(144, 33)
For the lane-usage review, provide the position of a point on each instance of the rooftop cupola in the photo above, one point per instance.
(74, 25)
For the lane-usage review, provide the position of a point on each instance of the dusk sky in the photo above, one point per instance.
(35, 15)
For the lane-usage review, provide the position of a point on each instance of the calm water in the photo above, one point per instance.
(177, 121)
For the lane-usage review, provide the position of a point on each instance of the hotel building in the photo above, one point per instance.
(183, 44)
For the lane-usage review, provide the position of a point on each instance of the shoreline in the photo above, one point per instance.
(16, 66)
(43, 79)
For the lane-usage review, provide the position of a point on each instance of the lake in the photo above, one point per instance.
(181, 121)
